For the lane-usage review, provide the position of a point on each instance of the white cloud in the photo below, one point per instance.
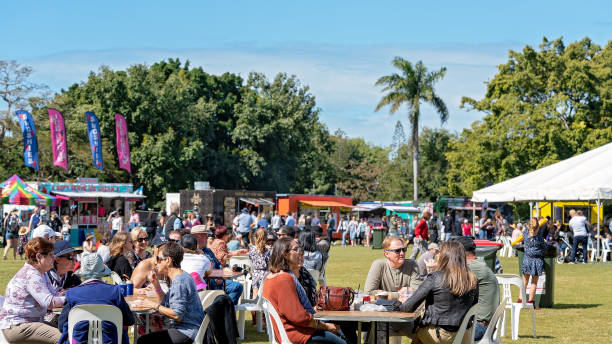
(341, 77)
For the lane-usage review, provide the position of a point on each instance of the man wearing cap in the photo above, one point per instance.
(94, 291)
(61, 275)
(488, 288)
(44, 231)
(244, 223)
(432, 250)
(232, 288)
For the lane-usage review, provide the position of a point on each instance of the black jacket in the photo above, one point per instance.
(448, 224)
(441, 307)
(120, 265)
(222, 328)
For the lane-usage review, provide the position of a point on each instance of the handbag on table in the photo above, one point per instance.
(335, 298)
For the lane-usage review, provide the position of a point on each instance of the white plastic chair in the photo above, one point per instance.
(507, 280)
(274, 320)
(492, 334)
(605, 250)
(116, 278)
(591, 250)
(207, 298)
(471, 313)
(95, 314)
(251, 305)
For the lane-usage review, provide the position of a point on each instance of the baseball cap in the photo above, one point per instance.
(201, 229)
(63, 247)
(43, 231)
(159, 240)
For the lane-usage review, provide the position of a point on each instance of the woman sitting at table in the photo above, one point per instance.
(448, 292)
(119, 247)
(181, 304)
(219, 245)
(29, 294)
(287, 296)
(140, 238)
(94, 291)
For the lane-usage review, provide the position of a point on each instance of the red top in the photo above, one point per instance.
(280, 291)
(421, 230)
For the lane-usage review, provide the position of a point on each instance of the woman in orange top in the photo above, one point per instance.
(289, 299)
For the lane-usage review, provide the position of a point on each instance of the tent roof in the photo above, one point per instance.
(16, 191)
(587, 176)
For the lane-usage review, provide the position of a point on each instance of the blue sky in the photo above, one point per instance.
(337, 48)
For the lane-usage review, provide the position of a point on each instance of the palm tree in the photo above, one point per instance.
(414, 85)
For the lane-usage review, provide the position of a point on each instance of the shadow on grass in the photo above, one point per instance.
(539, 337)
(576, 305)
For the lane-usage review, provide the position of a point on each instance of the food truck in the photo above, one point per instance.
(88, 202)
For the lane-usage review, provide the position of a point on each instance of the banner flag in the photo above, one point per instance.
(58, 139)
(30, 143)
(123, 144)
(95, 142)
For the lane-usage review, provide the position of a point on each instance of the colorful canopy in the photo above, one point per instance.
(16, 191)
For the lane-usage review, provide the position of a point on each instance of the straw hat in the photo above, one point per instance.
(23, 230)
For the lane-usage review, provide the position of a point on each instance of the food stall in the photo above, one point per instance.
(89, 202)
(319, 205)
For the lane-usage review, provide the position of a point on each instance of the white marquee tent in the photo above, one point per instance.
(584, 177)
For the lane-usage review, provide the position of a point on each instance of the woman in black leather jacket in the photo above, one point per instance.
(448, 292)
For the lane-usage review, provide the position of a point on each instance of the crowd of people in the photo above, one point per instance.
(287, 254)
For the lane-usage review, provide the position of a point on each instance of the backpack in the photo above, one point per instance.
(169, 225)
(13, 225)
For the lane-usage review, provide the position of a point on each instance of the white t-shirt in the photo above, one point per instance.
(276, 221)
(196, 263)
(578, 225)
(117, 223)
(104, 252)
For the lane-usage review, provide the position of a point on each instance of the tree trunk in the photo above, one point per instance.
(415, 148)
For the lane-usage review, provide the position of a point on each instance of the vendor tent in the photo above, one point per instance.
(16, 191)
(584, 177)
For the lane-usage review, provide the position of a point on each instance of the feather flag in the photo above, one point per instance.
(58, 139)
(30, 143)
(95, 142)
(123, 144)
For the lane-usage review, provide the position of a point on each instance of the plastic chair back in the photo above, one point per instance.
(492, 336)
(207, 297)
(471, 314)
(116, 278)
(508, 280)
(95, 314)
(274, 320)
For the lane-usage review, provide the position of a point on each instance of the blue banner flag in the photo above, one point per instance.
(30, 143)
(95, 142)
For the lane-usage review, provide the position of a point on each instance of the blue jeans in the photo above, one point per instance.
(344, 237)
(479, 331)
(233, 289)
(482, 234)
(583, 240)
(320, 336)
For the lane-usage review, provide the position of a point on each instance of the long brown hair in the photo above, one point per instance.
(278, 261)
(260, 240)
(118, 243)
(458, 278)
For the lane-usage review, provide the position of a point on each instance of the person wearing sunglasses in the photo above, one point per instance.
(140, 238)
(181, 304)
(394, 275)
(62, 276)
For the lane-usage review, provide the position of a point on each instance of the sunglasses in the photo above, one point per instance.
(70, 257)
(397, 250)
(159, 258)
(173, 240)
(142, 239)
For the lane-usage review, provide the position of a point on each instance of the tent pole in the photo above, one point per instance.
(530, 210)
(538, 210)
(597, 237)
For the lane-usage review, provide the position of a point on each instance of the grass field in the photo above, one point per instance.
(583, 297)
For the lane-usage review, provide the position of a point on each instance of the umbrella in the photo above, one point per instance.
(16, 191)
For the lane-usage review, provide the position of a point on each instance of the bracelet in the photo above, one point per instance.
(158, 290)
(157, 308)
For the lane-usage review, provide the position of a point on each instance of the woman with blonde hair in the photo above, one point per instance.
(533, 262)
(449, 292)
(140, 239)
(119, 247)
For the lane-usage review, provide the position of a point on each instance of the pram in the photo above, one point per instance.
(565, 251)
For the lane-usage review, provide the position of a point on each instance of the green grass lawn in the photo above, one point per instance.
(583, 297)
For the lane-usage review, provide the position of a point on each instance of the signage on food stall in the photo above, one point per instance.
(86, 187)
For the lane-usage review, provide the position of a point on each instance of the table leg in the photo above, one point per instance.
(388, 334)
(359, 332)
(147, 329)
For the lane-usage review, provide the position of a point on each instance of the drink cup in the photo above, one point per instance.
(366, 299)
(129, 290)
(382, 295)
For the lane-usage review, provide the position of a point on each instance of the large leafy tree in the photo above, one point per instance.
(544, 105)
(413, 85)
